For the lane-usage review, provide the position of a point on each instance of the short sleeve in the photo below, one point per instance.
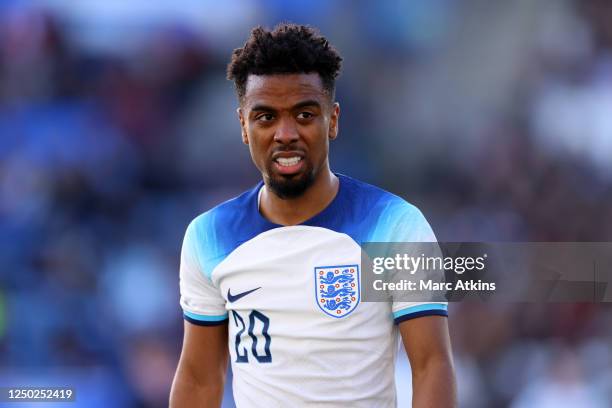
(411, 226)
(201, 301)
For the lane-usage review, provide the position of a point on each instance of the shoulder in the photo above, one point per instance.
(216, 232)
(226, 215)
(374, 202)
(384, 216)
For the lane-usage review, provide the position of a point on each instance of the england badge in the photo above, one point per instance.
(337, 289)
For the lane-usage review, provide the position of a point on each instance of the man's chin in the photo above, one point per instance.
(290, 186)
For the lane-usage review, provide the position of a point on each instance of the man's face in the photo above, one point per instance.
(287, 120)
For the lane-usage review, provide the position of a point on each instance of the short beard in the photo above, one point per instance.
(287, 187)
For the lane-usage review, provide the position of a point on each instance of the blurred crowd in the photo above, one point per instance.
(107, 152)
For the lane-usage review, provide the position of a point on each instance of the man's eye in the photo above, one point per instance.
(305, 115)
(266, 117)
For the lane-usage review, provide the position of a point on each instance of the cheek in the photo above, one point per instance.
(257, 150)
(323, 139)
(256, 157)
(319, 148)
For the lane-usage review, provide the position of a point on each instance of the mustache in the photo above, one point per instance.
(287, 149)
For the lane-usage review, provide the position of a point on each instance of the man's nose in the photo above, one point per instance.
(286, 132)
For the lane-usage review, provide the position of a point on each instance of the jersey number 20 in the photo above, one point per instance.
(243, 357)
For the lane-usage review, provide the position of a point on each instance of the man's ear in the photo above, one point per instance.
(245, 138)
(333, 122)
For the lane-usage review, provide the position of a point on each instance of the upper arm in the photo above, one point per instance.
(427, 344)
(200, 375)
(204, 354)
(203, 306)
(426, 341)
(421, 314)
(201, 300)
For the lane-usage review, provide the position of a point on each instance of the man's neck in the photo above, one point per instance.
(293, 211)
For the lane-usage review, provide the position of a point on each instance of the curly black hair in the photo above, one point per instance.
(288, 49)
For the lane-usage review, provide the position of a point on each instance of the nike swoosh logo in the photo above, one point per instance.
(233, 298)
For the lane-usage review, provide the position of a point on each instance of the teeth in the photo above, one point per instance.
(288, 161)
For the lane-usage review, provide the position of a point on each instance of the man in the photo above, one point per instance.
(272, 276)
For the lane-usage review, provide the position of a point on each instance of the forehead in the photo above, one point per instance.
(283, 89)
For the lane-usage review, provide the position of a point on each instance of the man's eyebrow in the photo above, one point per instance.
(303, 104)
(265, 108)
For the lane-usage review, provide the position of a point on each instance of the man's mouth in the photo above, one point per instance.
(288, 165)
(288, 161)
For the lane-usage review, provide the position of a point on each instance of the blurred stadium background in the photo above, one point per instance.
(117, 127)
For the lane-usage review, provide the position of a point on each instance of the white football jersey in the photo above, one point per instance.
(299, 334)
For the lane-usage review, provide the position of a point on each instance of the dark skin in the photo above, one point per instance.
(291, 117)
(200, 375)
(427, 344)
